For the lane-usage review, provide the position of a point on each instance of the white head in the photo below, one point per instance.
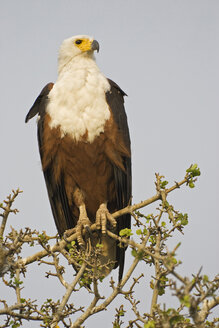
(79, 45)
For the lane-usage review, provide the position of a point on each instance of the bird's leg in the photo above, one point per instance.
(102, 216)
(83, 222)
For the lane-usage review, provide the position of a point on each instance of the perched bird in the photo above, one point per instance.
(84, 146)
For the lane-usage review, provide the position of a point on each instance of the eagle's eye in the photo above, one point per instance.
(78, 41)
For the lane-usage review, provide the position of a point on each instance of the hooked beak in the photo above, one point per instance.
(95, 45)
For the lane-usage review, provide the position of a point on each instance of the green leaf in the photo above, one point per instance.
(183, 218)
(173, 260)
(134, 252)
(152, 240)
(139, 255)
(191, 184)
(163, 184)
(14, 324)
(69, 246)
(17, 282)
(184, 221)
(194, 170)
(43, 237)
(138, 232)
(176, 318)
(185, 301)
(99, 245)
(149, 324)
(205, 278)
(125, 232)
(49, 300)
(161, 291)
(163, 279)
(145, 231)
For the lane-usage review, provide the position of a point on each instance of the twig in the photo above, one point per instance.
(7, 210)
(157, 273)
(17, 288)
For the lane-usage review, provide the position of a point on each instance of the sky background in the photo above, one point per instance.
(165, 55)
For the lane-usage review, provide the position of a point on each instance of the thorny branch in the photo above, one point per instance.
(196, 295)
(7, 210)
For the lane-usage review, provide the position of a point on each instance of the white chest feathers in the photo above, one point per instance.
(77, 102)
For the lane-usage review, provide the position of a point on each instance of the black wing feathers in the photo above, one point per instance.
(115, 100)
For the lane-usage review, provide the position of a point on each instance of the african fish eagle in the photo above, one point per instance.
(84, 147)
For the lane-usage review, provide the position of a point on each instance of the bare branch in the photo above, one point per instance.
(68, 292)
(7, 210)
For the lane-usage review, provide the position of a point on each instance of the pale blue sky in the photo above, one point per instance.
(165, 55)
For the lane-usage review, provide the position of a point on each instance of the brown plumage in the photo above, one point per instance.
(88, 165)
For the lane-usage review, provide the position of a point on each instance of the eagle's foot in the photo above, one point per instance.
(83, 223)
(102, 216)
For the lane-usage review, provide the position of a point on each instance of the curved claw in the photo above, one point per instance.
(102, 216)
(88, 230)
(68, 233)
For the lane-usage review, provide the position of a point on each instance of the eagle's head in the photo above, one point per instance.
(76, 46)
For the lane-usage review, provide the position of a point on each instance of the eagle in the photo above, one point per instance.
(84, 146)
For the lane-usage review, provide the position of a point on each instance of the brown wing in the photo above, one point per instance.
(56, 191)
(123, 180)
